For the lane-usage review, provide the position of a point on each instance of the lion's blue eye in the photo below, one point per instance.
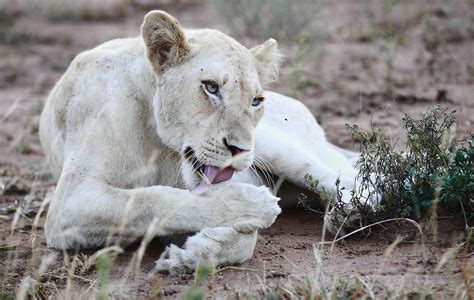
(257, 101)
(211, 87)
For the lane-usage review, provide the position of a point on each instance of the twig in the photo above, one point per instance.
(373, 224)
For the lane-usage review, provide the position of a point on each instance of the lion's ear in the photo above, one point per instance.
(164, 38)
(268, 58)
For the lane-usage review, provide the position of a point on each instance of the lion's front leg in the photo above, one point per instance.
(215, 246)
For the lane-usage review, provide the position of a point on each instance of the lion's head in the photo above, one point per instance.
(209, 96)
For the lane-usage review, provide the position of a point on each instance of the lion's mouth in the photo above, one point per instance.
(208, 174)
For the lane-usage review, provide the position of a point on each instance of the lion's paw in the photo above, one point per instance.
(174, 261)
(204, 247)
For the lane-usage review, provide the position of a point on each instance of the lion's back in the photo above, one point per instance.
(82, 89)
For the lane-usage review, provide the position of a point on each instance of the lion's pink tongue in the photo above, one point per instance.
(214, 175)
(224, 175)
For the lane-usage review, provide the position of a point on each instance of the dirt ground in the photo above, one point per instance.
(355, 75)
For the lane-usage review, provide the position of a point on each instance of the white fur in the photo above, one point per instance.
(115, 126)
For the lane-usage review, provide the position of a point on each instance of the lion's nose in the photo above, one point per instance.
(233, 149)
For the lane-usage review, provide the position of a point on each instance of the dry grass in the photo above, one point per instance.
(323, 285)
(79, 275)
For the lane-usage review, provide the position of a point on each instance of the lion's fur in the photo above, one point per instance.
(115, 127)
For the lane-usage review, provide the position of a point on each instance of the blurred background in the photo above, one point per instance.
(349, 61)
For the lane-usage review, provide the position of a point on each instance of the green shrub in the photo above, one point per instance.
(435, 172)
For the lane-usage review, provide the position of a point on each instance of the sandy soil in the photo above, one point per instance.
(345, 81)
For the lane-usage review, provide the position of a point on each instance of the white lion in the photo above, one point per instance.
(158, 134)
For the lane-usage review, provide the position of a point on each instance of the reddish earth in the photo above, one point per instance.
(345, 81)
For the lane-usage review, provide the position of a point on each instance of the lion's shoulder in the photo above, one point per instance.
(119, 51)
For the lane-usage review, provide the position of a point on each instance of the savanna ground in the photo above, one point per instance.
(362, 62)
